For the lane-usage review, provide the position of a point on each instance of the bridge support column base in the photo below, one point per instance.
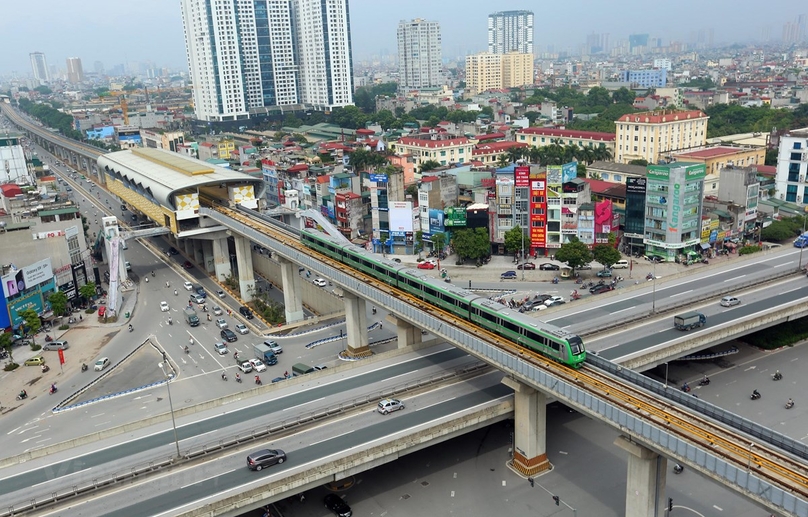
(356, 353)
(530, 466)
(646, 480)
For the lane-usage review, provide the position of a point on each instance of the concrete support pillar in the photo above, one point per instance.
(246, 276)
(291, 291)
(645, 483)
(208, 259)
(221, 259)
(407, 333)
(356, 326)
(530, 429)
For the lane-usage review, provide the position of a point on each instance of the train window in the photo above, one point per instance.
(510, 326)
(576, 345)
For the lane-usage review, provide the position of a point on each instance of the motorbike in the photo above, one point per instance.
(257, 380)
(45, 368)
(238, 378)
(175, 292)
(53, 389)
(777, 376)
(187, 350)
(84, 367)
(22, 395)
(48, 339)
(789, 404)
(555, 280)
(152, 273)
(704, 382)
(147, 280)
(685, 388)
(71, 320)
(678, 469)
(170, 321)
(131, 328)
(755, 395)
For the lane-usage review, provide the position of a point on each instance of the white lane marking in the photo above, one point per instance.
(733, 279)
(783, 264)
(99, 414)
(206, 479)
(626, 309)
(679, 294)
(103, 423)
(718, 508)
(435, 404)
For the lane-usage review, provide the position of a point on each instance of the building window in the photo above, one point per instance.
(791, 193)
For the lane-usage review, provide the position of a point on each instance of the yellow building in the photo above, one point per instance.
(654, 135)
(226, 146)
(717, 158)
(443, 148)
(486, 71)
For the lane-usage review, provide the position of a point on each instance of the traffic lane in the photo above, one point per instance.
(258, 411)
(653, 339)
(181, 490)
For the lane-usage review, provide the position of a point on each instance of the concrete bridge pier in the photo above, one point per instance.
(406, 333)
(356, 325)
(291, 291)
(246, 275)
(645, 482)
(530, 429)
(221, 259)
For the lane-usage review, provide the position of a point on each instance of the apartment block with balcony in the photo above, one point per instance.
(542, 136)
(717, 158)
(443, 148)
(654, 135)
(792, 165)
(487, 71)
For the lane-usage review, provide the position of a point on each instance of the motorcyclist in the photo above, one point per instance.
(257, 379)
(53, 388)
(238, 377)
(191, 341)
(705, 380)
(170, 321)
(187, 350)
(756, 393)
(130, 327)
(790, 403)
(167, 284)
(224, 376)
(175, 292)
(778, 375)
(23, 394)
(685, 387)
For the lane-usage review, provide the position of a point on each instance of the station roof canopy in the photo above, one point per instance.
(157, 174)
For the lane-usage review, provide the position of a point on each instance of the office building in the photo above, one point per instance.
(645, 78)
(245, 57)
(653, 135)
(486, 71)
(673, 209)
(637, 43)
(792, 167)
(75, 74)
(419, 55)
(510, 31)
(39, 65)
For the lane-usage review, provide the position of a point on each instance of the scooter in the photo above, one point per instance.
(755, 395)
(257, 380)
(22, 396)
(238, 378)
(685, 388)
(704, 382)
(131, 328)
(48, 339)
(777, 376)
(170, 321)
(224, 376)
(678, 469)
(53, 389)
(45, 368)
(187, 350)
(147, 280)
(84, 367)
(789, 404)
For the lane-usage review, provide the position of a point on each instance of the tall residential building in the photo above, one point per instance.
(419, 55)
(75, 74)
(791, 182)
(39, 65)
(248, 55)
(653, 135)
(486, 71)
(510, 31)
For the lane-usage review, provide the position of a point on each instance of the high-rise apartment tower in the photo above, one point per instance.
(419, 55)
(39, 65)
(75, 74)
(247, 55)
(510, 31)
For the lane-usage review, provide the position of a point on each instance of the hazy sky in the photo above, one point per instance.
(116, 31)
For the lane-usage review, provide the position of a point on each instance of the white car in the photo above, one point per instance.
(730, 301)
(221, 323)
(319, 282)
(553, 300)
(188, 286)
(258, 365)
(220, 347)
(245, 367)
(242, 329)
(275, 347)
(164, 307)
(220, 293)
(217, 311)
(101, 364)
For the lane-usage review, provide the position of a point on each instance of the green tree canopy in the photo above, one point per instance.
(58, 302)
(623, 96)
(639, 161)
(783, 229)
(5, 344)
(44, 90)
(87, 291)
(471, 243)
(575, 253)
(605, 254)
(32, 321)
(514, 240)
(438, 241)
(429, 165)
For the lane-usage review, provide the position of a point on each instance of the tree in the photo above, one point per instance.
(514, 240)
(6, 344)
(58, 302)
(605, 254)
(44, 90)
(87, 291)
(32, 322)
(575, 253)
(598, 97)
(581, 170)
(438, 241)
(602, 153)
(412, 190)
(771, 157)
(503, 160)
(429, 165)
(623, 96)
(471, 243)
(639, 161)
(778, 231)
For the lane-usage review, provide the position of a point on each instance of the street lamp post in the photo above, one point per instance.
(171, 405)
(522, 252)
(804, 218)
(653, 295)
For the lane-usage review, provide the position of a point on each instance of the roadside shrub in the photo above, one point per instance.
(35, 347)
(64, 327)
(746, 250)
(10, 367)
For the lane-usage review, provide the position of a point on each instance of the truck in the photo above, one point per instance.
(191, 317)
(301, 369)
(266, 355)
(689, 320)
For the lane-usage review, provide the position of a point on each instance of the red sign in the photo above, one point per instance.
(521, 176)
(538, 210)
(61, 356)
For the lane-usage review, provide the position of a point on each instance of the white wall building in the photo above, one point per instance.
(792, 167)
(510, 31)
(39, 65)
(419, 55)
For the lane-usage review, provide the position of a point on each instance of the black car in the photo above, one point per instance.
(549, 267)
(526, 265)
(228, 335)
(173, 251)
(601, 288)
(246, 312)
(265, 458)
(335, 503)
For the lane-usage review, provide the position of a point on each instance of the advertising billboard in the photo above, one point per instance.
(521, 176)
(27, 277)
(569, 171)
(435, 221)
(538, 211)
(378, 178)
(603, 217)
(455, 217)
(400, 216)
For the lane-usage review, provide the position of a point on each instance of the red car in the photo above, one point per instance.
(187, 265)
(426, 265)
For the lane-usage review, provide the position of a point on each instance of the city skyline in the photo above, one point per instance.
(120, 33)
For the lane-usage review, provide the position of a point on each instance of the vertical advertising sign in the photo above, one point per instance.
(538, 211)
(521, 176)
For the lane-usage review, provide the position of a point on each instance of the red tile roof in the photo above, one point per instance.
(712, 152)
(300, 167)
(767, 170)
(365, 132)
(490, 136)
(433, 144)
(568, 133)
(606, 188)
(654, 117)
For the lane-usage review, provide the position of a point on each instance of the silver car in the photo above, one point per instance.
(389, 405)
(221, 323)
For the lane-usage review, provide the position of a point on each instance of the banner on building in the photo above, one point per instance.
(522, 176)
(435, 221)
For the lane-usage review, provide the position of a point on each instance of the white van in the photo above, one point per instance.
(620, 264)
